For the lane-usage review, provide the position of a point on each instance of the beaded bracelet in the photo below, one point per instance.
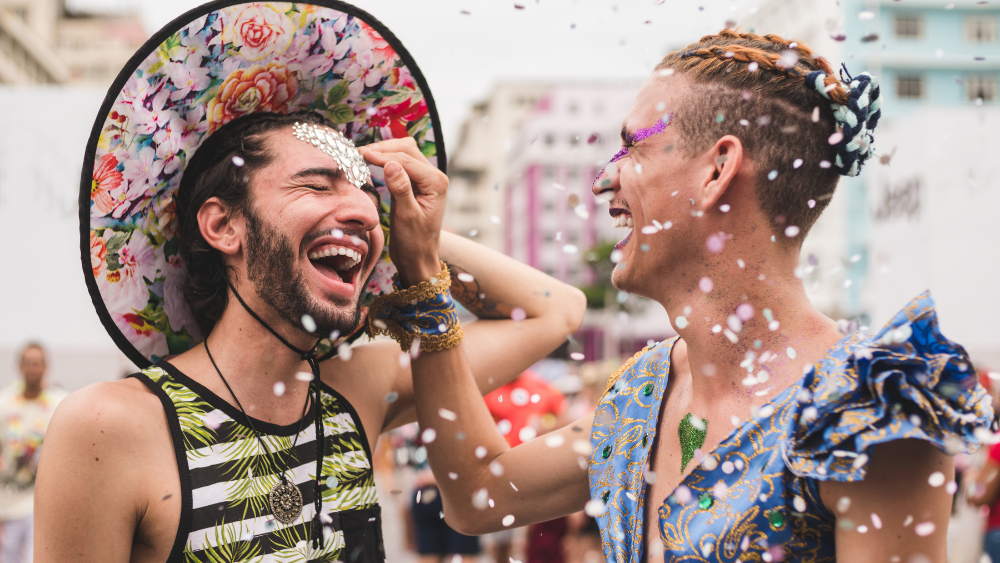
(425, 311)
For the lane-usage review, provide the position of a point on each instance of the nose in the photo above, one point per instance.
(357, 210)
(606, 182)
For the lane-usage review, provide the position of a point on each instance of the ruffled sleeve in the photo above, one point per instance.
(908, 381)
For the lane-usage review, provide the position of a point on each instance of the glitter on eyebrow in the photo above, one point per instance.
(633, 137)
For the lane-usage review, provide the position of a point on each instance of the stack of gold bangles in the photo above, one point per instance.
(424, 311)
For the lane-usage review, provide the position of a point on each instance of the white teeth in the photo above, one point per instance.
(622, 222)
(354, 255)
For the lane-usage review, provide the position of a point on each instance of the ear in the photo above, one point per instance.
(722, 162)
(220, 230)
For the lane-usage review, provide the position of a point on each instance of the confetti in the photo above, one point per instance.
(824, 164)
(279, 389)
(466, 278)
(862, 529)
(815, 115)
(683, 494)
(799, 503)
(308, 323)
(554, 440)
(238, 161)
(734, 323)
(741, 263)
(504, 427)
(507, 520)
(447, 415)
(924, 529)
(843, 504)
(772, 175)
(391, 397)
(428, 435)
(705, 284)
(728, 467)
(578, 356)
(480, 452)
(304, 376)
(495, 219)
(570, 249)
(717, 329)
(518, 314)
(876, 521)
(836, 137)
(649, 230)
(797, 163)
(811, 203)
(680, 322)
(791, 352)
(527, 434)
(480, 499)
(496, 468)
(752, 67)
(715, 243)
(936, 479)
(594, 508)
(791, 231)
(744, 312)
(404, 358)
(788, 59)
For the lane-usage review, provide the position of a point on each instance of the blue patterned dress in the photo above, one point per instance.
(755, 497)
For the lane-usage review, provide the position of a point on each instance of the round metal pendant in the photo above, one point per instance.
(286, 502)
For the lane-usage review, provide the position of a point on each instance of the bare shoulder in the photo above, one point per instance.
(112, 416)
(372, 364)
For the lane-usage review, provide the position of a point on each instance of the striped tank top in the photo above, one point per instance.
(226, 478)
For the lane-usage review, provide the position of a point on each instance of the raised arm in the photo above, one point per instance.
(499, 348)
(485, 485)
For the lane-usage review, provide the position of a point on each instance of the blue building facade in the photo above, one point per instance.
(924, 53)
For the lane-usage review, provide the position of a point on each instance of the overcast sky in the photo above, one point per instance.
(464, 55)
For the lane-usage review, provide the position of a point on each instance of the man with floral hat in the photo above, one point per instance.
(234, 241)
(761, 432)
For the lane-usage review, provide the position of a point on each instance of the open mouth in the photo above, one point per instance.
(338, 263)
(621, 219)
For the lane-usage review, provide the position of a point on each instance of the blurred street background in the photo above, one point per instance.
(532, 94)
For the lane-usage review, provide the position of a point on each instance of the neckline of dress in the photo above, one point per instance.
(738, 429)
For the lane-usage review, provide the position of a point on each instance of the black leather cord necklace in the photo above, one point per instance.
(285, 498)
(309, 356)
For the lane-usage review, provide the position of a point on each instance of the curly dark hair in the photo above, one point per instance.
(213, 172)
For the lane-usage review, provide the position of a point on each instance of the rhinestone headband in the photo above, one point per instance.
(335, 144)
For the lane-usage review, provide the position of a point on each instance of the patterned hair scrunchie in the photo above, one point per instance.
(856, 120)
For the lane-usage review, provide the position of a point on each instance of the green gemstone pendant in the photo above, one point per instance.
(691, 437)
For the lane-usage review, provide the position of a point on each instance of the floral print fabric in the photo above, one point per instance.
(245, 58)
(755, 497)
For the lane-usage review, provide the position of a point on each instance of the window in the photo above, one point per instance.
(981, 29)
(981, 87)
(909, 26)
(910, 86)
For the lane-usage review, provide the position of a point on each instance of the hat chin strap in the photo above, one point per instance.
(308, 356)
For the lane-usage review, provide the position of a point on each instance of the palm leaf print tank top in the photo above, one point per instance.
(226, 478)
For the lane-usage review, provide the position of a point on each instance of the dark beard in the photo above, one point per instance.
(271, 266)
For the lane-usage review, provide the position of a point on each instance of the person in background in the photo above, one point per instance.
(26, 406)
(523, 409)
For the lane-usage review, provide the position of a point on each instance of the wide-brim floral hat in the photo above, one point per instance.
(215, 63)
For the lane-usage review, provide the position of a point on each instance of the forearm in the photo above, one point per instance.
(499, 284)
(449, 404)
(482, 480)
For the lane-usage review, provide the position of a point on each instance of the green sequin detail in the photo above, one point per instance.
(607, 452)
(777, 518)
(705, 501)
(691, 438)
(605, 496)
(647, 389)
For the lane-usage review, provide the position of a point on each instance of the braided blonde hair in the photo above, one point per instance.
(754, 87)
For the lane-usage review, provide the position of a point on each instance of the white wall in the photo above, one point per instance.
(951, 244)
(43, 133)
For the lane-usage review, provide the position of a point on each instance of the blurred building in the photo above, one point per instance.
(521, 180)
(41, 42)
(922, 215)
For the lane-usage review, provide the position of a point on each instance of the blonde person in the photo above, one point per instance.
(761, 432)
